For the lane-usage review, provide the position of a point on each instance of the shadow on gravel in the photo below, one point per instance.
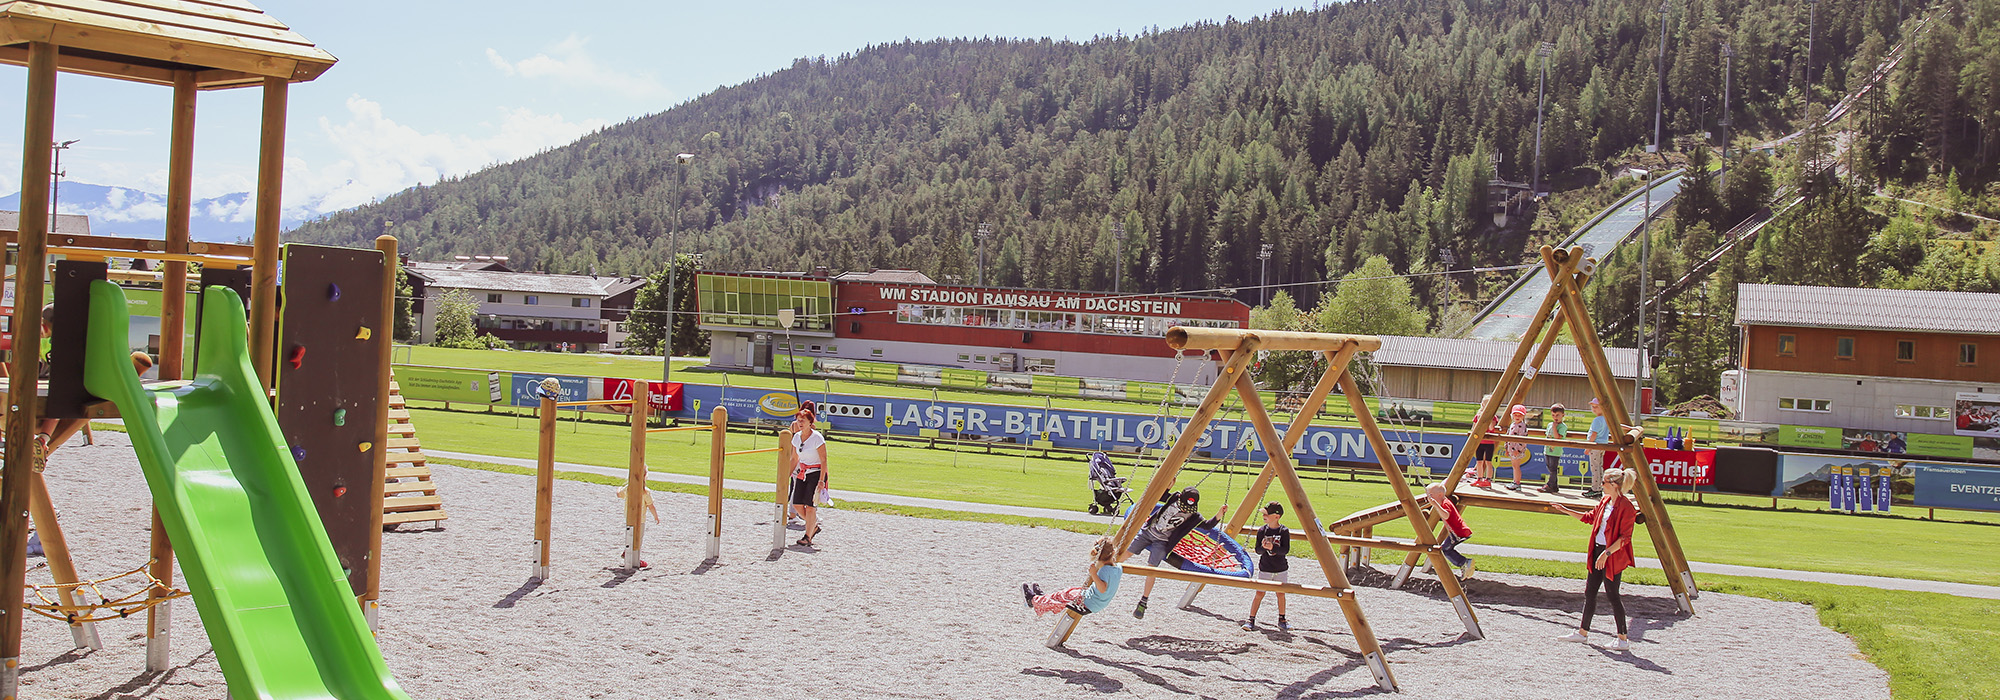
(60, 659)
(1181, 649)
(149, 681)
(619, 575)
(1140, 670)
(706, 566)
(510, 599)
(1633, 660)
(1093, 680)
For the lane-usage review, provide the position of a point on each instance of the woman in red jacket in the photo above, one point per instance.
(1610, 551)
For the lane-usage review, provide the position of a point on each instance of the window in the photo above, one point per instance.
(1924, 412)
(1788, 344)
(580, 302)
(1843, 348)
(492, 298)
(832, 349)
(874, 352)
(964, 358)
(531, 300)
(1906, 351)
(1968, 353)
(816, 348)
(1813, 405)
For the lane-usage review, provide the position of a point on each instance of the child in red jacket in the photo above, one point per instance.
(1610, 552)
(1455, 529)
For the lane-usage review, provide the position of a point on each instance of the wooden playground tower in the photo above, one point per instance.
(189, 47)
(1568, 272)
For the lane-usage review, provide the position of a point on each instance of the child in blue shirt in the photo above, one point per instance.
(1092, 597)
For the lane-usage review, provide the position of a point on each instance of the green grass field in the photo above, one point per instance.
(1933, 646)
(1718, 532)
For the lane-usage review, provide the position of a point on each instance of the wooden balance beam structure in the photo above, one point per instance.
(1237, 347)
(1568, 272)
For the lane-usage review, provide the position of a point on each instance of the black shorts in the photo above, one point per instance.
(1485, 452)
(803, 489)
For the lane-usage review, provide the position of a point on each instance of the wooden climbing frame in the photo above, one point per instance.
(1568, 272)
(1237, 347)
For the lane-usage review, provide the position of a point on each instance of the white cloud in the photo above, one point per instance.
(380, 157)
(568, 62)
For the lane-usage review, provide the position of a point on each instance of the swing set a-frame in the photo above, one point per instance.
(1353, 533)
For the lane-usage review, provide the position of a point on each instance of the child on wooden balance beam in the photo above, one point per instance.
(1091, 597)
(1175, 517)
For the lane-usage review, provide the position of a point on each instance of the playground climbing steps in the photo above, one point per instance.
(410, 496)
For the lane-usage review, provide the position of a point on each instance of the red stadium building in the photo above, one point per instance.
(903, 317)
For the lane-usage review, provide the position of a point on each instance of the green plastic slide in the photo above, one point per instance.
(270, 592)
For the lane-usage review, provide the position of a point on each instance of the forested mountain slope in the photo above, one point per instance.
(1334, 133)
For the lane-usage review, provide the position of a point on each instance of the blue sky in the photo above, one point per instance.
(425, 90)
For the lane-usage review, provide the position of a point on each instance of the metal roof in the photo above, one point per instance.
(77, 224)
(1867, 309)
(529, 282)
(896, 276)
(1491, 356)
(224, 43)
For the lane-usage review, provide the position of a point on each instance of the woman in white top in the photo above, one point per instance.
(809, 470)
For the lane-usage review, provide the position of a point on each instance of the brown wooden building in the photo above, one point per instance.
(1870, 359)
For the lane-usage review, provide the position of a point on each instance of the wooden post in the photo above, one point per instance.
(636, 492)
(55, 550)
(1293, 433)
(384, 337)
(173, 334)
(1411, 510)
(1666, 544)
(270, 194)
(1170, 466)
(718, 419)
(786, 462)
(1336, 577)
(545, 487)
(23, 413)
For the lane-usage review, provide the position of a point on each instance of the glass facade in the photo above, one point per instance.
(1048, 321)
(753, 302)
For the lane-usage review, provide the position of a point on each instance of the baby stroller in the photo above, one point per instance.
(1107, 486)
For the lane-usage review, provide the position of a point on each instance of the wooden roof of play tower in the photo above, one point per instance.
(225, 43)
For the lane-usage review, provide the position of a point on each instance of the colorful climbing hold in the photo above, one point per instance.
(298, 454)
(366, 446)
(332, 292)
(339, 491)
(340, 416)
(364, 333)
(298, 358)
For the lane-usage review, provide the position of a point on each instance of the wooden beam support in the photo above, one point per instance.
(636, 492)
(385, 342)
(1345, 594)
(545, 487)
(23, 412)
(1190, 338)
(719, 418)
(270, 204)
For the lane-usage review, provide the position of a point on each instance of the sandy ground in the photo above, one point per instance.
(904, 607)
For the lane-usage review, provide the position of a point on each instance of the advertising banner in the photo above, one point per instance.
(1952, 446)
(1682, 467)
(1810, 436)
(445, 384)
(664, 397)
(1069, 429)
(1977, 415)
(522, 390)
(1956, 486)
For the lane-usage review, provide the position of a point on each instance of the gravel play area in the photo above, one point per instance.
(892, 606)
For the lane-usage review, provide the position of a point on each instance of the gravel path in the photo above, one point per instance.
(902, 607)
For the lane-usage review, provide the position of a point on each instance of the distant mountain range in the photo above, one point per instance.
(136, 214)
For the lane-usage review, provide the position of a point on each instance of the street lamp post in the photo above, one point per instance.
(1541, 101)
(55, 186)
(1812, 29)
(1728, 73)
(673, 267)
(985, 232)
(1645, 272)
(1660, 85)
(1263, 274)
(1118, 256)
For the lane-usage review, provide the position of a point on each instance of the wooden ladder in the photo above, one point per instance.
(409, 495)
